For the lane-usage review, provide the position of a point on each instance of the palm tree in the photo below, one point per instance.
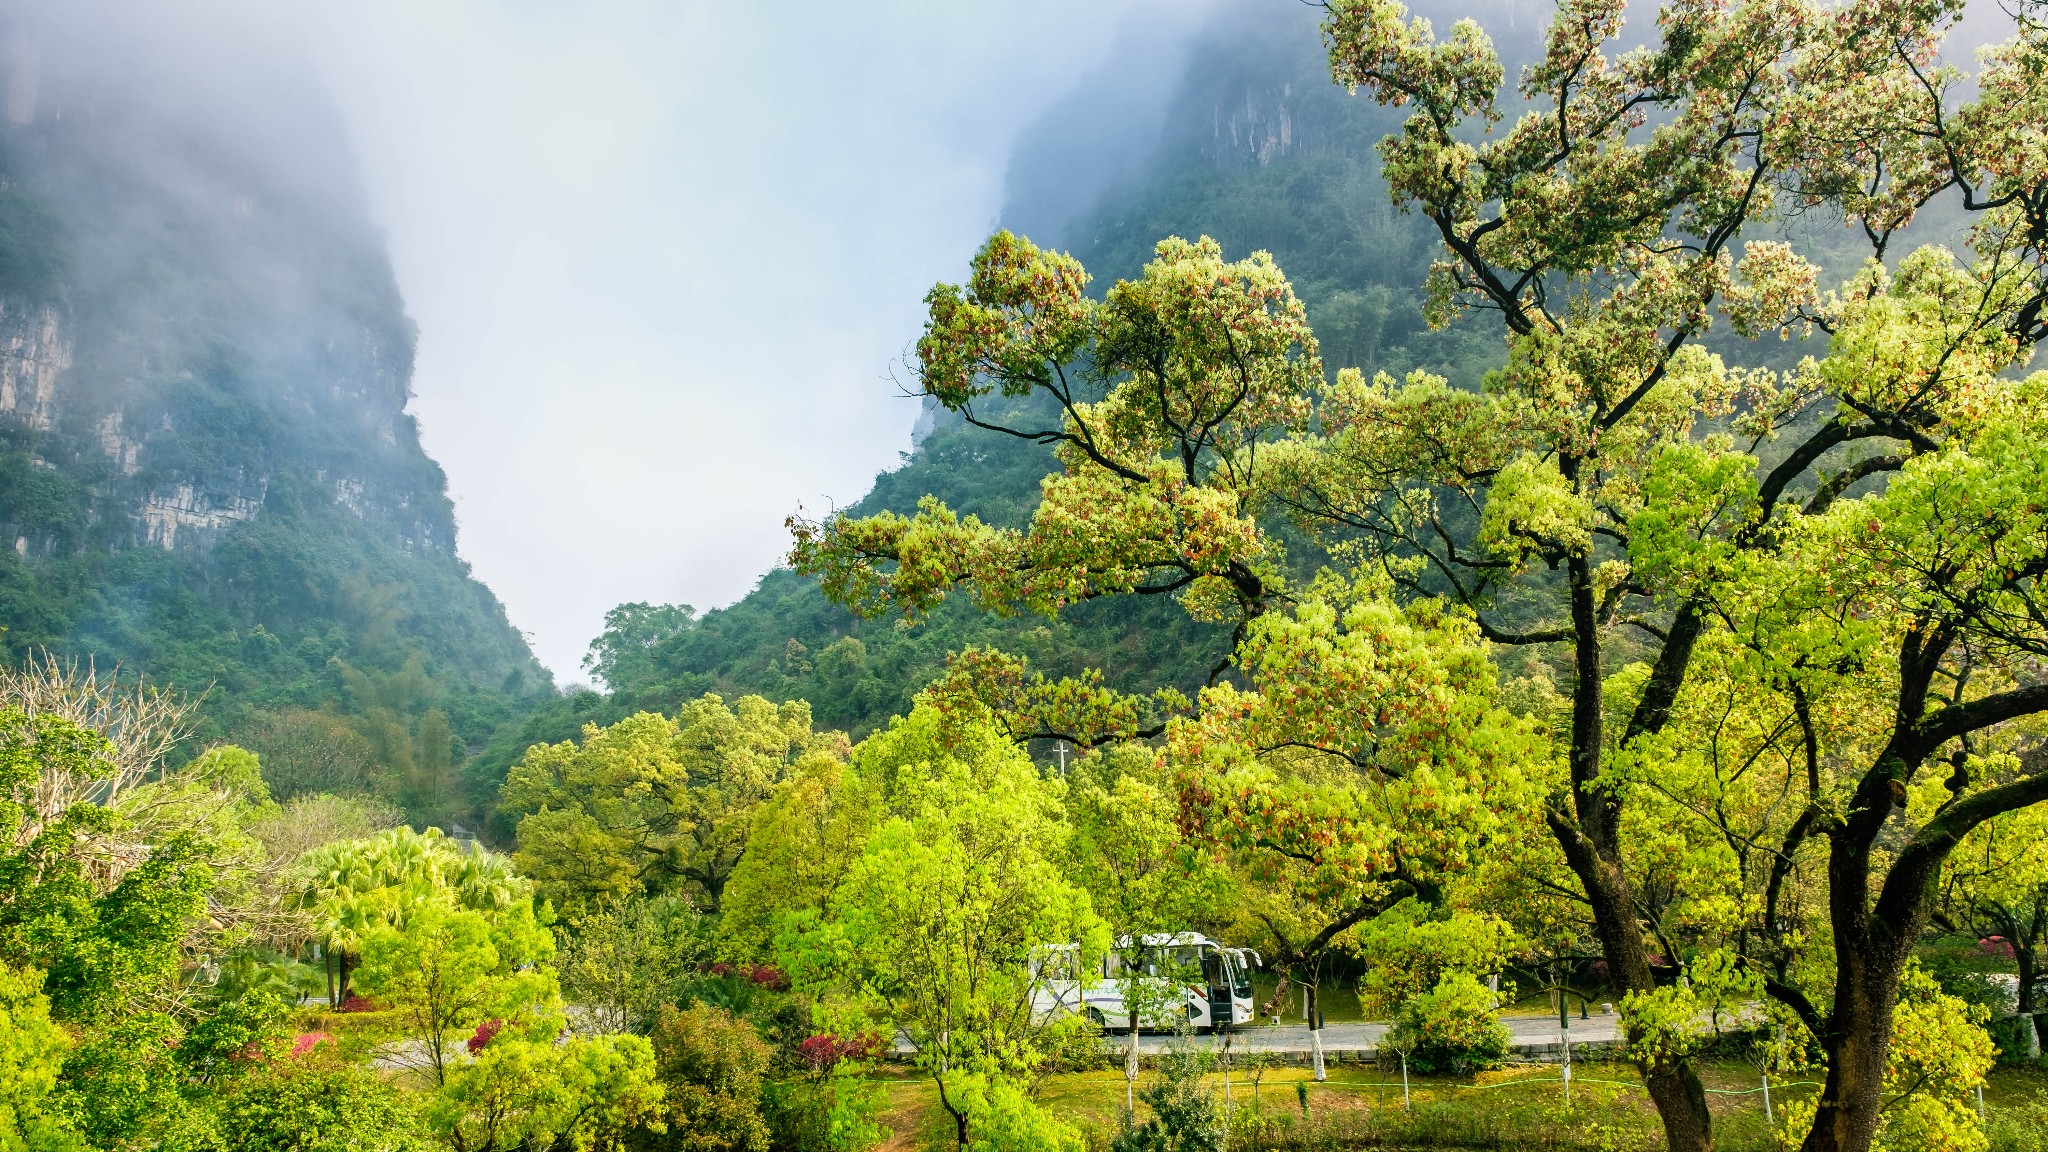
(353, 887)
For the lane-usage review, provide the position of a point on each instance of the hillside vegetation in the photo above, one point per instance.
(208, 476)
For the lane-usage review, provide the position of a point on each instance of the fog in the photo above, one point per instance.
(663, 257)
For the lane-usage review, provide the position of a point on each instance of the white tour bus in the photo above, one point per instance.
(1215, 984)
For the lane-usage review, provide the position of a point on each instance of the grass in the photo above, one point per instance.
(1360, 1107)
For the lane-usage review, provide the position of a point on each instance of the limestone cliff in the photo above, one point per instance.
(207, 467)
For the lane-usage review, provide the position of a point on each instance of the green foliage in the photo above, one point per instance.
(803, 839)
(32, 1050)
(710, 1064)
(356, 889)
(1186, 1116)
(446, 969)
(122, 1083)
(1002, 1117)
(619, 963)
(835, 1109)
(652, 805)
(239, 1034)
(971, 856)
(520, 1094)
(1453, 1027)
(318, 1109)
(1408, 954)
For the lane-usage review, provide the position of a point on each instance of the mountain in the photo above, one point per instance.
(208, 474)
(1234, 132)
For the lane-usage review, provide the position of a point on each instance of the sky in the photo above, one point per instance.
(666, 258)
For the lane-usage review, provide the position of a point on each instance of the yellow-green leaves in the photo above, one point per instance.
(935, 926)
(1022, 314)
(1774, 288)
(1216, 353)
(32, 1049)
(1162, 399)
(1532, 511)
(1926, 340)
(650, 804)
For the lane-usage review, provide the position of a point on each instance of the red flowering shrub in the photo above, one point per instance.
(307, 1041)
(358, 1004)
(770, 977)
(820, 1052)
(1997, 946)
(485, 1033)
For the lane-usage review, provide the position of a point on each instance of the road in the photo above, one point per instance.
(1535, 1037)
(1532, 1033)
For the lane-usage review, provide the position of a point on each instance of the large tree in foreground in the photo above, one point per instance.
(1599, 487)
(1865, 530)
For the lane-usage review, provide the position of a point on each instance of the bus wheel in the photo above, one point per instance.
(1095, 1018)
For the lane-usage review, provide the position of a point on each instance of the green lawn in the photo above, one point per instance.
(1521, 1108)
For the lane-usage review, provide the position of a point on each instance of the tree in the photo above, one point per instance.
(1606, 251)
(432, 787)
(1185, 1113)
(710, 1064)
(619, 963)
(308, 753)
(804, 838)
(935, 928)
(624, 654)
(1205, 369)
(585, 1093)
(650, 804)
(354, 888)
(32, 1050)
(447, 969)
(104, 897)
(1141, 878)
(319, 1109)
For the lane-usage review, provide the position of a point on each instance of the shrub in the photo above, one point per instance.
(1006, 1120)
(1451, 1028)
(1185, 1117)
(337, 1109)
(835, 1111)
(710, 1063)
(484, 1034)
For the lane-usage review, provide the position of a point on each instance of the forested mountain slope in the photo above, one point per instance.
(1254, 147)
(207, 471)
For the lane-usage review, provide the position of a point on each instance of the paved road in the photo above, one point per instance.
(1529, 1032)
(1534, 1036)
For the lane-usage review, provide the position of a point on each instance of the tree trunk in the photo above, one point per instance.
(959, 1115)
(1315, 1030)
(1591, 835)
(2030, 1033)
(1131, 1060)
(1869, 954)
(1674, 1086)
(1846, 1120)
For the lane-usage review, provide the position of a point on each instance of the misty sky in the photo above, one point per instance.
(664, 255)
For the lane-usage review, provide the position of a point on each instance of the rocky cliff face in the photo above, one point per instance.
(212, 324)
(207, 469)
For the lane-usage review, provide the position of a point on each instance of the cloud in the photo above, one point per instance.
(663, 255)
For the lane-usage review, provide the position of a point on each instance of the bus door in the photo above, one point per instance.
(1217, 975)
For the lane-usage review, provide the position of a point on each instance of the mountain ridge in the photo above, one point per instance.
(209, 473)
